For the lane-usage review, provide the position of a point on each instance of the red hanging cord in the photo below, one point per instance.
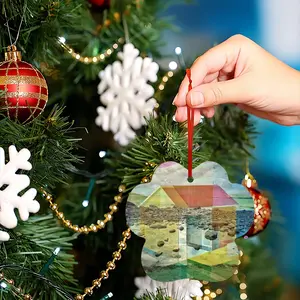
(190, 121)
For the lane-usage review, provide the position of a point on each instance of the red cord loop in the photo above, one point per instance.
(190, 121)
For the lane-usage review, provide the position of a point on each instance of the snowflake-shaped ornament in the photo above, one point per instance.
(127, 95)
(184, 289)
(11, 184)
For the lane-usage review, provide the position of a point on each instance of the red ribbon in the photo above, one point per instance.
(190, 121)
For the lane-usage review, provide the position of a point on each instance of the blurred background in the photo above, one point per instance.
(275, 25)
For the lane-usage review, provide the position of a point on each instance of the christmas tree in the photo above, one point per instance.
(98, 125)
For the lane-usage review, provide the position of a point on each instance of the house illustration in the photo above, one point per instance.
(189, 229)
(218, 210)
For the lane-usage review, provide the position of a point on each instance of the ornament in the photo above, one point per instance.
(26, 88)
(262, 213)
(125, 92)
(180, 289)
(15, 183)
(101, 3)
(190, 227)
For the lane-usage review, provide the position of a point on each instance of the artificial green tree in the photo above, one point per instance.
(65, 142)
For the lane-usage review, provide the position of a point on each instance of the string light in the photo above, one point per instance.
(85, 203)
(88, 291)
(180, 57)
(243, 286)
(164, 80)
(102, 154)
(178, 50)
(108, 296)
(50, 261)
(3, 285)
(6, 284)
(173, 65)
(90, 59)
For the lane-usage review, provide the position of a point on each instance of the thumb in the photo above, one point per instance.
(211, 94)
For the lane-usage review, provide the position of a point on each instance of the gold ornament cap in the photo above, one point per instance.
(12, 54)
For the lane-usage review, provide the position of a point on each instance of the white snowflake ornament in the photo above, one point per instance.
(125, 91)
(184, 289)
(13, 184)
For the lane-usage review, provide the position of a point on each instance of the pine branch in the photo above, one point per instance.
(159, 295)
(164, 141)
(50, 143)
(43, 22)
(226, 139)
(144, 31)
(31, 246)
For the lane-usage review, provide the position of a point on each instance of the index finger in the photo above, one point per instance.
(214, 60)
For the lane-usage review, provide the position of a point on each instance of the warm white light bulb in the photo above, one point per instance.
(56, 251)
(62, 39)
(173, 65)
(178, 50)
(85, 203)
(102, 154)
(3, 285)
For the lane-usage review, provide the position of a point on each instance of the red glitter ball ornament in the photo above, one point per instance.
(26, 90)
(100, 3)
(262, 207)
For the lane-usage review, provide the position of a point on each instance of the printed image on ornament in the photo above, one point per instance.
(190, 228)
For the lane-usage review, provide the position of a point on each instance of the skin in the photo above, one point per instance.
(240, 72)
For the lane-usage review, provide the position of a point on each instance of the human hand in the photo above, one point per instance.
(240, 72)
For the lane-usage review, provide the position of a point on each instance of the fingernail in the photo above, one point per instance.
(175, 99)
(197, 99)
(174, 118)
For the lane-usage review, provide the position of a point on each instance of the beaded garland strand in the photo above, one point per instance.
(104, 274)
(92, 227)
(111, 265)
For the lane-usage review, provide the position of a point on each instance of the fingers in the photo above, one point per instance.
(212, 94)
(181, 115)
(208, 112)
(223, 56)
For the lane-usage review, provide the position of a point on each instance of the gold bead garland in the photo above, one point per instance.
(111, 265)
(149, 166)
(96, 283)
(92, 227)
(92, 59)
